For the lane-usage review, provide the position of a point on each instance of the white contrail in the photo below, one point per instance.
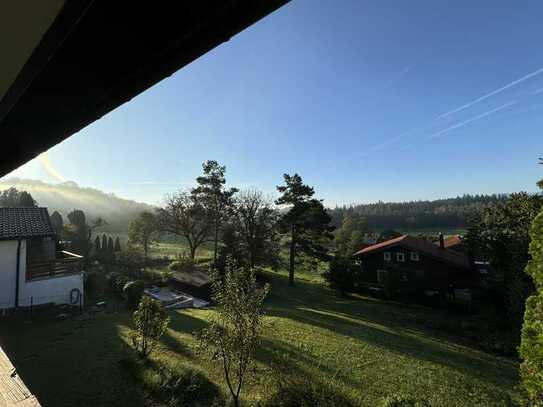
(469, 104)
(48, 167)
(479, 117)
(537, 92)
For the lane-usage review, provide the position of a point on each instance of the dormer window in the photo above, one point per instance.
(415, 256)
(387, 256)
(400, 257)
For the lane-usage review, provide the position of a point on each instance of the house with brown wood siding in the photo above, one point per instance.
(415, 265)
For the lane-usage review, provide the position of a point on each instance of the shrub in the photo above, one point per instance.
(133, 291)
(342, 274)
(397, 400)
(531, 348)
(151, 321)
(183, 387)
(300, 391)
(182, 264)
(187, 388)
(116, 282)
(94, 282)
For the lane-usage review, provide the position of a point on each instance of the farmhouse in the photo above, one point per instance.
(32, 271)
(415, 265)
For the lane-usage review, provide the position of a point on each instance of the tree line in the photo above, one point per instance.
(441, 213)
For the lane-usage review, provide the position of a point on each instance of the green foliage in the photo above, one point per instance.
(501, 235)
(150, 321)
(306, 222)
(117, 247)
(300, 391)
(57, 222)
(343, 274)
(97, 245)
(77, 232)
(12, 198)
(183, 263)
(449, 213)
(349, 238)
(531, 348)
(399, 400)
(116, 283)
(186, 217)
(142, 231)
(110, 247)
(133, 291)
(185, 387)
(233, 337)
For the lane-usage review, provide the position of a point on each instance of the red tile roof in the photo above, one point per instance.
(451, 241)
(422, 246)
(22, 223)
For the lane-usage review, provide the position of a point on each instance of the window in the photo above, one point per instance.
(400, 257)
(403, 276)
(387, 256)
(415, 256)
(382, 276)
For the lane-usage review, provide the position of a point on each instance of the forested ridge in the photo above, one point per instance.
(440, 213)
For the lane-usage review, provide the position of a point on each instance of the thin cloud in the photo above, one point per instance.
(494, 92)
(537, 92)
(49, 168)
(473, 119)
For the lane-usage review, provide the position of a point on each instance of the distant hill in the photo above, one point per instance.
(68, 196)
(449, 213)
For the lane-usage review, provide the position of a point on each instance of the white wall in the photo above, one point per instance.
(54, 289)
(8, 267)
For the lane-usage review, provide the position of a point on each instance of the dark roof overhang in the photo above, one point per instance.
(98, 54)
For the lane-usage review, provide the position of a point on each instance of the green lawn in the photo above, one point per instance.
(371, 347)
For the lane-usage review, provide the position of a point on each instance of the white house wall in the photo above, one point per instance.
(8, 266)
(48, 290)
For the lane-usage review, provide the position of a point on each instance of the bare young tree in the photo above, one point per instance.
(184, 216)
(256, 220)
(233, 337)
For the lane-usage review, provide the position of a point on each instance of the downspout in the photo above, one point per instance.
(17, 274)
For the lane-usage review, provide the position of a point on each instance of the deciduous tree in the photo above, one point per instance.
(142, 231)
(234, 335)
(57, 222)
(349, 238)
(150, 321)
(183, 215)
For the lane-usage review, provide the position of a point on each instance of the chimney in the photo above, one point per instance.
(441, 241)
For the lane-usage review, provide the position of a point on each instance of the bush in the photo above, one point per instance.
(94, 282)
(403, 401)
(302, 392)
(342, 274)
(182, 264)
(184, 387)
(531, 348)
(133, 291)
(116, 283)
(150, 321)
(187, 388)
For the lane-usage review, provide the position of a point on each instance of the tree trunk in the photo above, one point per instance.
(292, 256)
(215, 244)
(192, 253)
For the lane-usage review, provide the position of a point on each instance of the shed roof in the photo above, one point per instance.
(23, 223)
(420, 245)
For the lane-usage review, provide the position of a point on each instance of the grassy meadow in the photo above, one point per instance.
(364, 348)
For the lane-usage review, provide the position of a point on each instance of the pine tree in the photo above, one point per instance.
(110, 246)
(104, 242)
(97, 244)
(117, 244)
(306, 223)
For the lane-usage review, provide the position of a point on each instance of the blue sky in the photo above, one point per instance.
(380, 100)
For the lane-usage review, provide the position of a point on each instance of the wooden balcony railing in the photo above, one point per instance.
(65, 263)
